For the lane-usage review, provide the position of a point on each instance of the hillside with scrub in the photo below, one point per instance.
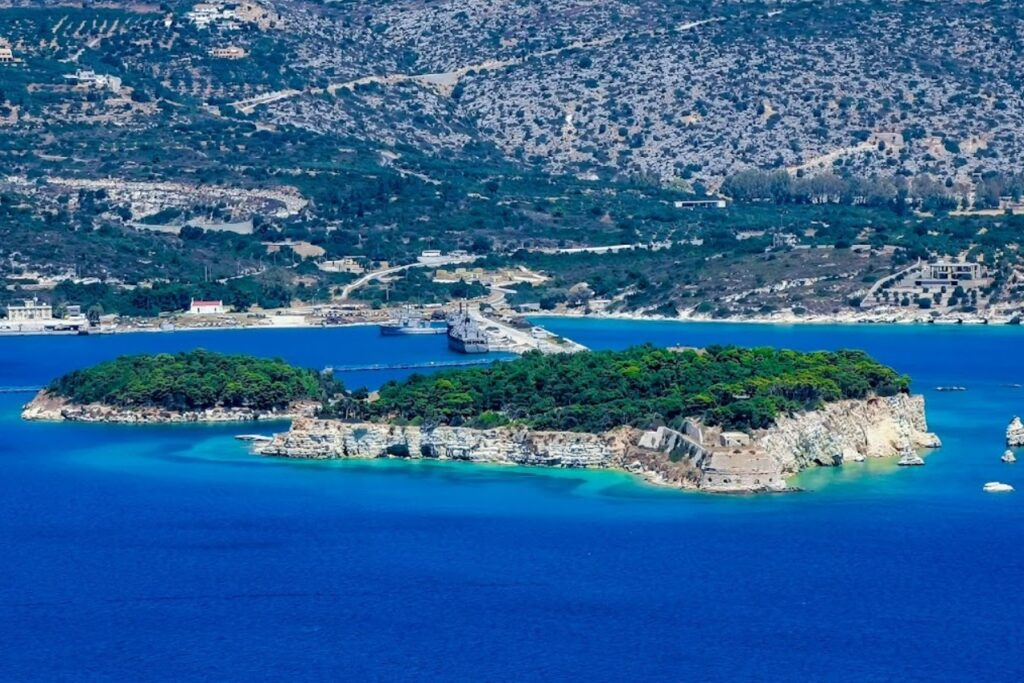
(150, 158)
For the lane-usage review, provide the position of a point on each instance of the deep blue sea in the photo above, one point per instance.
(170, 553)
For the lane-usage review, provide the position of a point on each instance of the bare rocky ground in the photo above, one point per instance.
(694, 89)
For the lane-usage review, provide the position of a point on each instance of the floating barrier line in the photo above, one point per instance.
(19, 390)
(409, 366)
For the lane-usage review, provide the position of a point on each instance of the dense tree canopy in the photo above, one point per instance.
(194, 381)
(592, 391)
(642, 386)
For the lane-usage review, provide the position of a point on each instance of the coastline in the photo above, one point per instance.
(787, 320)
(184, 328)
(696, 456)
(297, 321)
(46, 407)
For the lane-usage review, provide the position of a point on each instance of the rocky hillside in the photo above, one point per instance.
(150, 143)
(692, 89)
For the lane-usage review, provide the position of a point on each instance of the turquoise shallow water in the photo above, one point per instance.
(163, 553)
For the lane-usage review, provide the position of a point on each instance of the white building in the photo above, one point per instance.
(733, 439)
(206, 307)
(434, 257)
(7, 55)
(346, 264)
(431, 257)
(31, 310)
(204, 14)
(709, 203)
(230, 52)
(952, 271)
(88, 77)
(784, 240)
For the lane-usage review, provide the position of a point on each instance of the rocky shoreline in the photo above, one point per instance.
(789, 318)
(50, 408)
(696, 457)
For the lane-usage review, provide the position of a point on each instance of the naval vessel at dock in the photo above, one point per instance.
(465, 335)
(409, 323)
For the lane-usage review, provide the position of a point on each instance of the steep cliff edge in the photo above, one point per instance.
(695, 458)
(47, 407)
(849, 431)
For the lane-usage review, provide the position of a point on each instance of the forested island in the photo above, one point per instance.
(192, 386)
(642, 387)
(722, 418)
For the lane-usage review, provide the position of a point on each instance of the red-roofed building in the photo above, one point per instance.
(206, 307)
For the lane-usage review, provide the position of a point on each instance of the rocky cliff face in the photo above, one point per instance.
(311, 438)
(847, 430)
(1015, 433)
(837, 433)
(47, 407)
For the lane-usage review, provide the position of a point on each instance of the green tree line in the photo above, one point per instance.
(195, 380)
(643, 387)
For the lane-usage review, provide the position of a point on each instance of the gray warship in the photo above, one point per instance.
(409, 323)
(465, 335)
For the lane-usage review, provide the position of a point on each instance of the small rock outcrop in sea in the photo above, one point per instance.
(50, 408)
(1015, 433)
(696, 457)
(910, 459)
(997, 487)
(253, 437)
(1008, 456)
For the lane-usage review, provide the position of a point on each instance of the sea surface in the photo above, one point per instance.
(171, 553)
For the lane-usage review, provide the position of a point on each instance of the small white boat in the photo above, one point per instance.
(997, 487)
(1008, 456)
(262, 438)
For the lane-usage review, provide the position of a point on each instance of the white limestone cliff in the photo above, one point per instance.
(839, 432)
(696, 458)
(849, 431)
(1015, 433)
(50, 408)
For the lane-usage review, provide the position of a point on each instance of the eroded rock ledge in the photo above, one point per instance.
(697, 457)
(1015, 433)
(47, 407)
